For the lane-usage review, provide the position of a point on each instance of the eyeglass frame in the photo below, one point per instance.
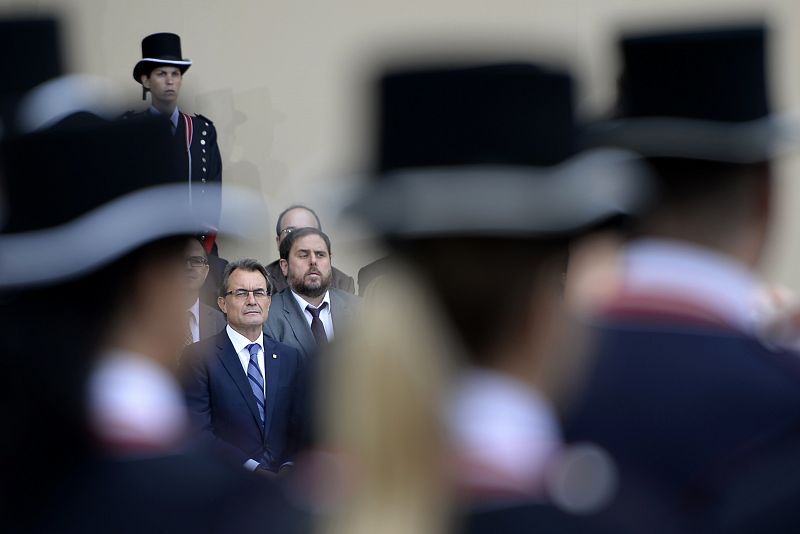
(246, 293)
(203, 262)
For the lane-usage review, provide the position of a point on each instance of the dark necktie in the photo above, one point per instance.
(255, 378)
(317, 328)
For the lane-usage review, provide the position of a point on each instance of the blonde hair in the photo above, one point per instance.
(381, 409)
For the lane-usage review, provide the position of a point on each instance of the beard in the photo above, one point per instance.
(310, 289)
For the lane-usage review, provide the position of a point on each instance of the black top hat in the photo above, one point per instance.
(86, 191)
(30, 56)
(160, 49)
(697, 94)
(489, 150)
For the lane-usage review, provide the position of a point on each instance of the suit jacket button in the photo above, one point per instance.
(204, 132)
(202, 141)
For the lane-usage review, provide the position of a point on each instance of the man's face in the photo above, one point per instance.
(196, 269)
(308, 269)
(294, 219)
(164, 84)
(245, 312)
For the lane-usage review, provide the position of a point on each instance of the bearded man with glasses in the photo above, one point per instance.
(245, 391)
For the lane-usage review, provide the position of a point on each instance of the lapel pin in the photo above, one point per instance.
(274, 356)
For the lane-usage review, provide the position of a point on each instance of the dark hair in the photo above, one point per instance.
(454, 274)
(705, 196)
(245, 264)
(199, 239)
(288, 241)
(296, 207)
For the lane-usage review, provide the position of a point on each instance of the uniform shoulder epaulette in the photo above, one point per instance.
(203, 117)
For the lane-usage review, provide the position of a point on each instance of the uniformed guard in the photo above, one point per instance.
(160, 72)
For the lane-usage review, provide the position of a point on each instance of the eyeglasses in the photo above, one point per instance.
(242, 294)
(196, 261)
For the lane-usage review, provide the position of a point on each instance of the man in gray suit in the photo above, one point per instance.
(292, 218)
(309, 312)
(202, 320)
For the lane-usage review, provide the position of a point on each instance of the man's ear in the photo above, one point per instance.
(145, 81)
(221, 304)
(284, 267)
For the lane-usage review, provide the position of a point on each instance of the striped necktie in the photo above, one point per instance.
(255, 378)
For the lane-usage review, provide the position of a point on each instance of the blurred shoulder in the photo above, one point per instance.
(345, 297)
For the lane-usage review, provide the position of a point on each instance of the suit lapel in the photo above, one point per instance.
(297, 322)
(230, 360)
(272, 368)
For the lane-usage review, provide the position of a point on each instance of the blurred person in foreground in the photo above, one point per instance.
(293, 218)
(442, 406)
(203, 320)
(684, 394)
(245, 391)
(95, 429)
(310, 311)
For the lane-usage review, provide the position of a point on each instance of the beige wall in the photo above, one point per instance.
(283, 80)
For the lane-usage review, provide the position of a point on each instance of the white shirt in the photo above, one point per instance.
(716, 281)
(240, 344)
(324, 315)
(135, 404)
(194, 321)
(503, 425)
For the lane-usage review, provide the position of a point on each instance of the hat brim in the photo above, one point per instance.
(672, 137)
(147, 64)
(504, 201)
(122, 225)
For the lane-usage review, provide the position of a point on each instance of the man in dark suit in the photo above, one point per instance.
(289, 220)
(308, 313)
(683, 392)
(203, 320)
(245, 390)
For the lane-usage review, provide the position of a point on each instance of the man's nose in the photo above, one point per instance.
(251, 298)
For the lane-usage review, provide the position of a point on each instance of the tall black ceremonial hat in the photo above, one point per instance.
(30, 54)
(160, 49)
(489, 150)
(700, 93)
(514, 114)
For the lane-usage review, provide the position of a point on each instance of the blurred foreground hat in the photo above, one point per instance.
(86, 191)
(160, 49)
(489, 150)
(30, 54)
(700, 94)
